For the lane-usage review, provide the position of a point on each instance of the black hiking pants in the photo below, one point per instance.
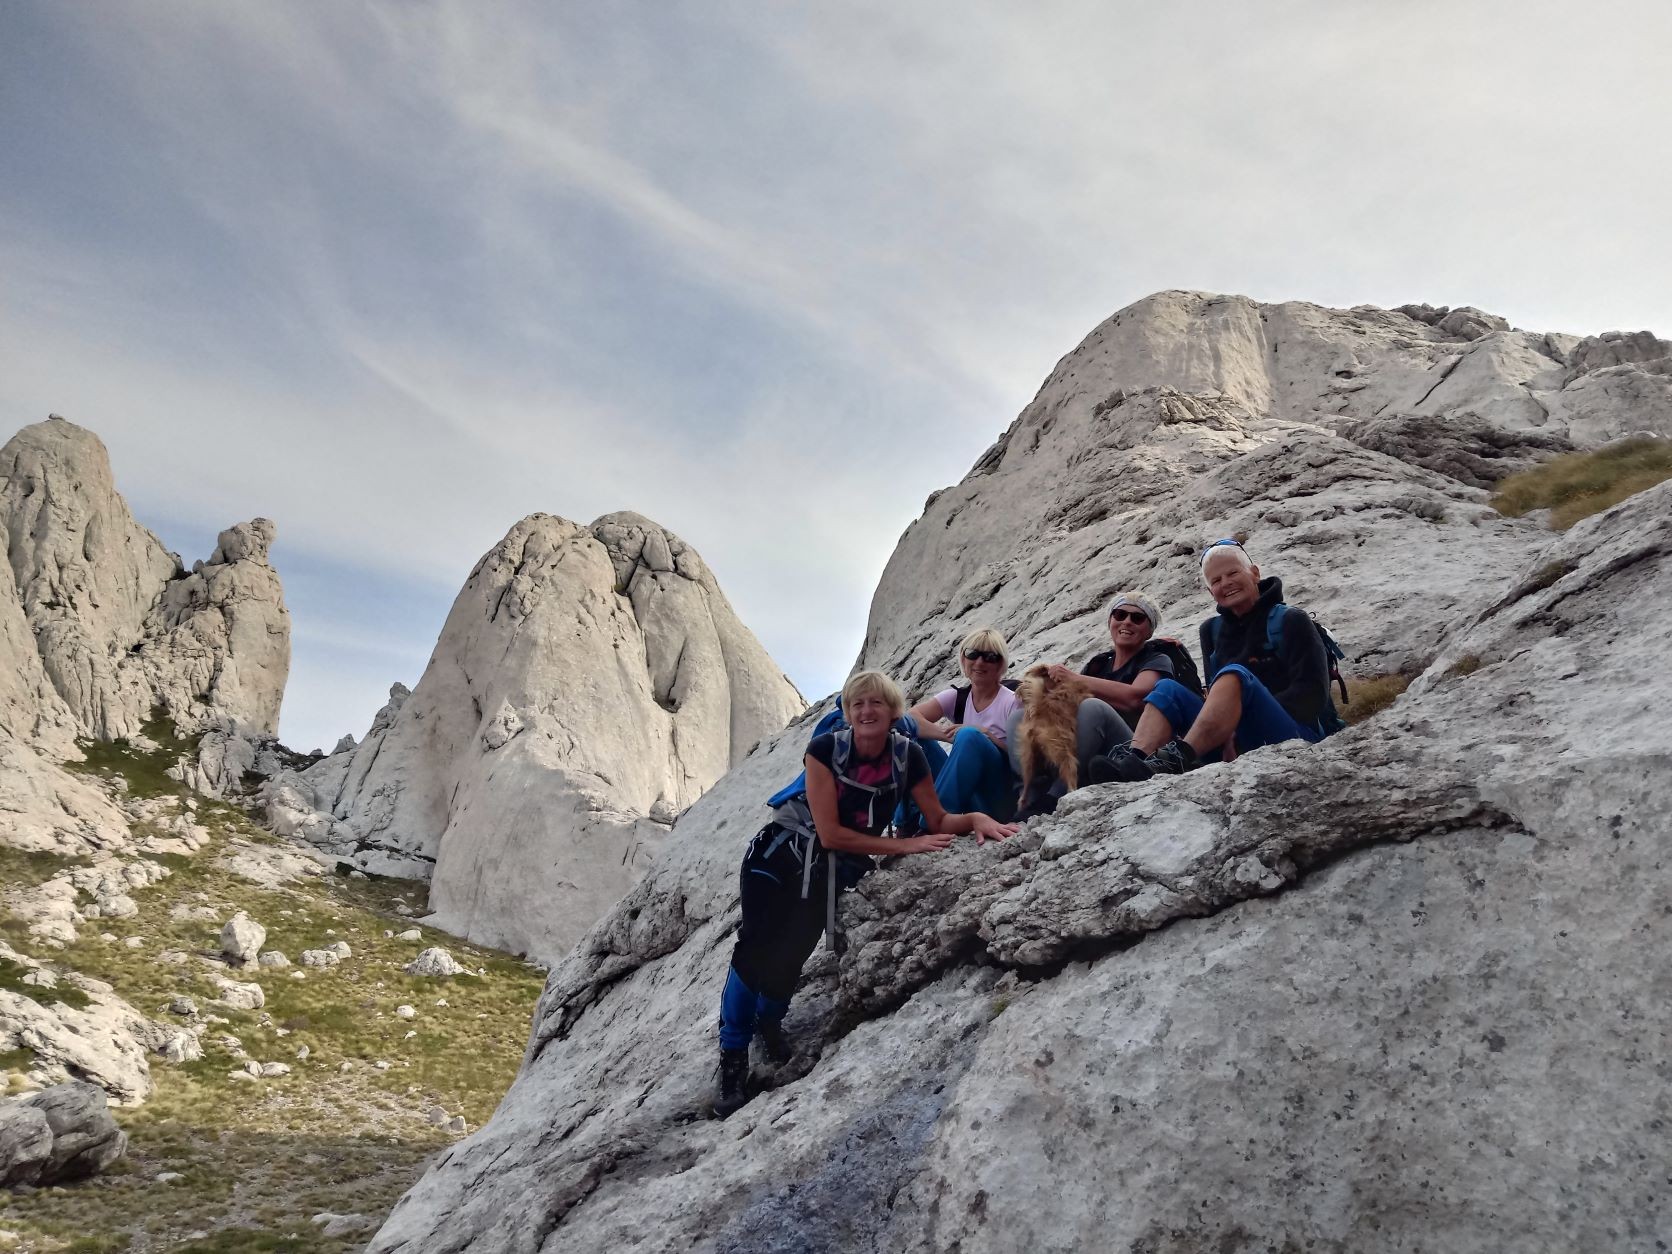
(780, 928)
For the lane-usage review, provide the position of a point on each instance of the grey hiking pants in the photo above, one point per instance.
(1100, 728)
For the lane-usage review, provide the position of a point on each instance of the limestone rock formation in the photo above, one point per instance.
(119, 628)
(589, 684)
(101, 628)
(1397, 989)
(105, 1040)
(1349, 445)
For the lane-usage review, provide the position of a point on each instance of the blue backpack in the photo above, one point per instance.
(1330, 721)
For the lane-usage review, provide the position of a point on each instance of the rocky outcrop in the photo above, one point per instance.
(77, 1028)
(1335, 998)
(1350, 446)
(118, 627)
(589, 684)
(59, 1134)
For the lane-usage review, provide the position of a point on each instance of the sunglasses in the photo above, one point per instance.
(1222, 544)
(1128, 616)
(983, 655)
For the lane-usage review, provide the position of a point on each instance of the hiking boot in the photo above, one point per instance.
(732, 1090)
(775, 1046)
(1173, 758)
(1123, 765)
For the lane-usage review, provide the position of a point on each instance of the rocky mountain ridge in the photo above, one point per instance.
(1392, 990)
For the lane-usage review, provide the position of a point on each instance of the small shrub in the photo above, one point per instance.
(1468, 664)
(1581, 484)
(1371, 695)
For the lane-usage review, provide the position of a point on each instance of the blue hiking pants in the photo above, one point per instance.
(1264, 721)
(975, 775)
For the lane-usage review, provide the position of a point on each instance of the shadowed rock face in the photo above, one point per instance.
(589, 684)
(1340, 998)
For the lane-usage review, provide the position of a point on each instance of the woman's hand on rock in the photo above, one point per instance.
(929, 842)
(988, 828)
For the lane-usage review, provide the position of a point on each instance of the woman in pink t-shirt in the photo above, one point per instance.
(976, 771)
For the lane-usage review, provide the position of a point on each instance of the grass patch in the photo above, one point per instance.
(1371, 695)
(1547, 575)
(21, 867)
(143, 771)
(259, 1158)
(11, 979)
(1468, 664)
(1581, 484)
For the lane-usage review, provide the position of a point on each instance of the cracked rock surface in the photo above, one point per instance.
(589, 684)
(1399, 990)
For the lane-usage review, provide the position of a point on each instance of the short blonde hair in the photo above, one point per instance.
(985, 638)
(874, 684)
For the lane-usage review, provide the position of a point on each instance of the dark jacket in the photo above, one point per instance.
(1297, 673)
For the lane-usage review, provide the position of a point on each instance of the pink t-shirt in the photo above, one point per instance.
(995, 716)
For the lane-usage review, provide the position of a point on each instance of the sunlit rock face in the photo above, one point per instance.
(1398, 989)
(102, 629)
(589, 684)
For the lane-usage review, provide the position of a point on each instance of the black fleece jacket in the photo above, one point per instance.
(1297, 674)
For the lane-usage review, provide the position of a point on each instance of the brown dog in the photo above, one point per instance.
(1049, 727)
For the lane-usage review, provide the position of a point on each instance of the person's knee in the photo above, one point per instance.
(1235, 676)
(967, 736)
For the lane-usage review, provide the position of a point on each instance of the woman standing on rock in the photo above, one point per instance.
(818, 843)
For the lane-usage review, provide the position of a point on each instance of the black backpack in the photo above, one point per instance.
(960, 701)
(1184, 666)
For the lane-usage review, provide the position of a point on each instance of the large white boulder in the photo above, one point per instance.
(242, 939)
(1334, 997)
(589, 684)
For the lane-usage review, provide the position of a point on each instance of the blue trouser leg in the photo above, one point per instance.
(738, 1012)
(776, 933)
(1264, 721)
(958, 781)
(770, 1009)
(906, 816)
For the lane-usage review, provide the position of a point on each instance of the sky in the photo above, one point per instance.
(396, 274)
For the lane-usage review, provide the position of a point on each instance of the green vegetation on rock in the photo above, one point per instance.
(1581, 484)
(258, 1157)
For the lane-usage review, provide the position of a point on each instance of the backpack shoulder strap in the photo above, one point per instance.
(843, 751)
(1274, 626)
(1211, 660)
(1011, 684)
(960, 701)
(899, 761)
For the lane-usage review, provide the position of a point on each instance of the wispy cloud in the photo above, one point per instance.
(395, 274)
